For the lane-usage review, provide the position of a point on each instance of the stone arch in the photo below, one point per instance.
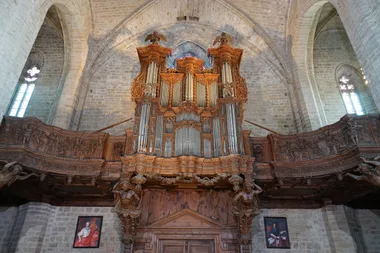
(234, 23)
(16, 48)
(203, 35)
(35, 58)
(362, 33)
(76, 26)
(309, 103)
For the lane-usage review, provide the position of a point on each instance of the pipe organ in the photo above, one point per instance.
(189, 110)
(188, 134)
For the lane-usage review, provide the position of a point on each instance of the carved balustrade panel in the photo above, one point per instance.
(330, 140)
(38, 137)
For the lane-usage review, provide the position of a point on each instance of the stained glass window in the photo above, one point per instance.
(24, 93)
(350, 96)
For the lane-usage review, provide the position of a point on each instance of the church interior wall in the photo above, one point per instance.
(108, 95)
(49, 43)
(39, 227)
(332, 48)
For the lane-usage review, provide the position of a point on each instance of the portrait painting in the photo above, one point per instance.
(276, 232)
(87, 233)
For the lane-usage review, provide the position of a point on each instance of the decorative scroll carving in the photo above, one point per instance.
(188, 124)
(11, 172)
(187, 178)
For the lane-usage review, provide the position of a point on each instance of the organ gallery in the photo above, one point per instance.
(187, 176)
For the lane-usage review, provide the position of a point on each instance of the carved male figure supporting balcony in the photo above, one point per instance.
(12, 172)
(245, 208)
(128, 208)
(369, 173)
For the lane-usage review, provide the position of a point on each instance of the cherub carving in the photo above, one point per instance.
(369, 173)
(155, 37)
(12, 172)
(223, 38)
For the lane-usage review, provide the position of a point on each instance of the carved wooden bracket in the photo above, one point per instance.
(128, 199)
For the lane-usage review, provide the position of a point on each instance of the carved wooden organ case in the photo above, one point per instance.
(187, 135)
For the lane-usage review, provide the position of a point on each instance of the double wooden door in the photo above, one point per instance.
(186, 246)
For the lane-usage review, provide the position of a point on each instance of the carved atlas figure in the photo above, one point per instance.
(12, 172)
(369, 173)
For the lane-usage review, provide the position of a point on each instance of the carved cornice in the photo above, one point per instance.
(143, 164)
(46, 164)
(190, 65)
(226, 53)
(153, 53)
(172, 78)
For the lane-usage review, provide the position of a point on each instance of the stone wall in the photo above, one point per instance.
(7, 220)
(108, 95)
(50, 44)
(332, 49)
(37, 227)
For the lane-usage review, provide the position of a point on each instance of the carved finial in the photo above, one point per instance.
(223, 39)
(155, 37)
(69, 179)
(42, 177)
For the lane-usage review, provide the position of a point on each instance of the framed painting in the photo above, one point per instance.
(276, 232)
(88, 231)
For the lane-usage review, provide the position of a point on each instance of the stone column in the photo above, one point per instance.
(338, 230)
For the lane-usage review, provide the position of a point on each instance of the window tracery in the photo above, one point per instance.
(24, 92)
(350, 96)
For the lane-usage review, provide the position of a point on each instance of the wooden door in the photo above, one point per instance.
(186, 246)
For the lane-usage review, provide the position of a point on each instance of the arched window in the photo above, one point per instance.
(24, 92)
(350, 96)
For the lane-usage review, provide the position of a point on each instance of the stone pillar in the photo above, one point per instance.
(7, 220)
(29, 228)
(338, 230)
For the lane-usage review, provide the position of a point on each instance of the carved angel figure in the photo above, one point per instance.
(369, 173)
(223, 38)
(155, 37)
(12, 172)
(127, 201)
(246, 202)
